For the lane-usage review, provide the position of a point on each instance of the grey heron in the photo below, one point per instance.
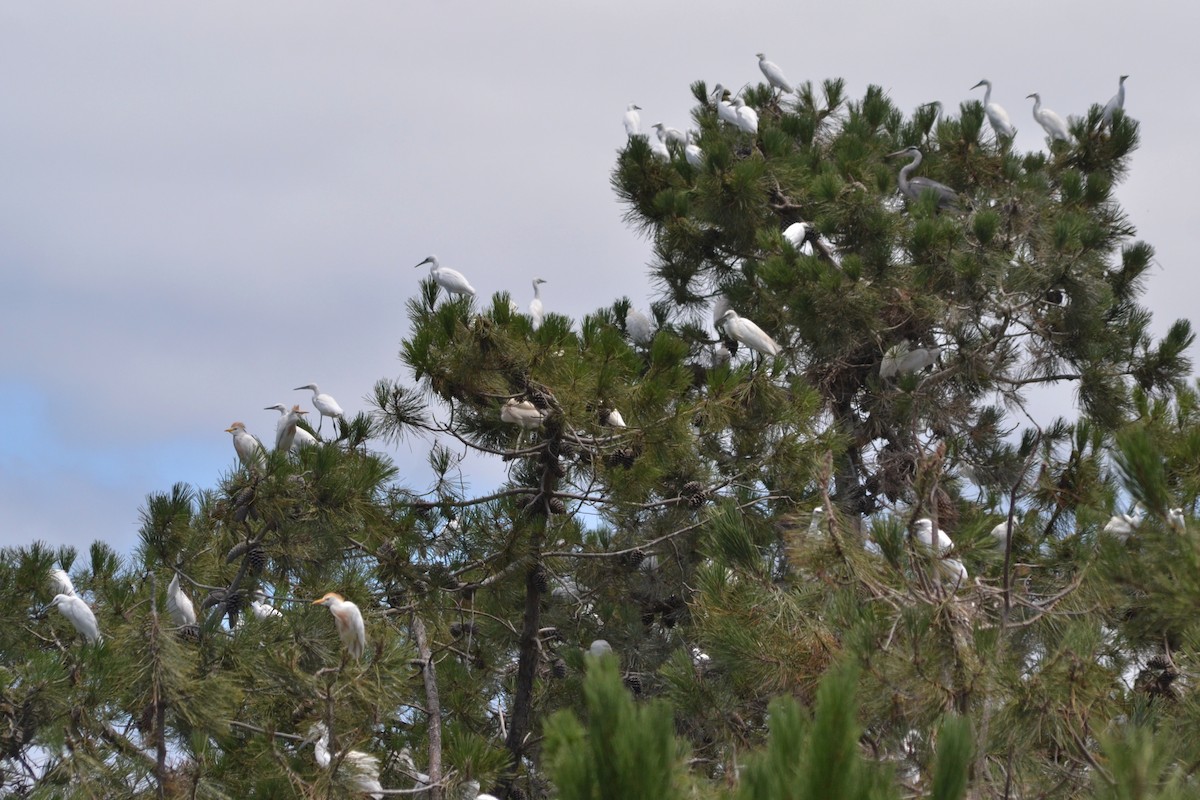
(913, 188)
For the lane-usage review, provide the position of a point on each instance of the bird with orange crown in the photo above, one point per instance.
(349, 623)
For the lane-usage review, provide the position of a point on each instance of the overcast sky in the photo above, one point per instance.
(203, 205)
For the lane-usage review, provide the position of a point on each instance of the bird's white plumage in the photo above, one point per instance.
(638, 326)
(952, 572)
(918, 358)
(749, 334)
(349, 621)
(775, 75)
(324, 403)
(923, 533)
(179, 607)
(659, 150)
(1117, 102)
(997, 116)
(451, 280)
(693, 153)
(1000, 532)
(670, 136)
(725, 110)
(79, 614)
(536, 312)
(1175, 520)
(600, 647)
(613, 419)
(286, 430)
(747, 117)
(633, 120)
(60, 583)
(301, 437)
(362, 768)
(1054, 125)
(523, 413)
(1122, 526)
(247, 446)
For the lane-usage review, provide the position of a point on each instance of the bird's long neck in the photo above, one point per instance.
(537, 291)
(987, 92)
(1037, 105)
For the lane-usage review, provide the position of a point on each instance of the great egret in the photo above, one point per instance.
(692, 152)
(745, 331)
(923, 532)
(914, 188)
(1117, 102)
(775, 75)
(638, 326)
(249, 448)
(323, 403)
(79, 615)
(301, 438)
(285, 430)
(633, 120)
(453, 281)
(349, 623)
(996, 115)
(747, 116)
(669, 136)
(363, 768)
(60, 583)
(1054, 125)
(178, 605)
(725, 110)
(938, 110)
(535, 305)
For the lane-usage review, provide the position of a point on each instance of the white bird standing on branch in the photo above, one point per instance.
(363, 768)
(669, 136)
(302, 437)
(923, 532)
(1116, 103)
(996, 115)
(60, 583)
(746, 332)
(178, 605)
(286, 430)
(323, 403)
(536, 312)
(261, 608)
(79, 614)
(249, 449)
(349, 621)
(451, 280)
(523, 414)
(1054, 125)
(693, 153)
(638, 326)
(747, 116)
(725, 110)
(775, 75)
(633, 120)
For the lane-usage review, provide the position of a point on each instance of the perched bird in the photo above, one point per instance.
(775, 75)
(638, 326)
(600, 647)
(1122, 526)
(323, 403)
(79, 614)
(301, 437)
(798, 235)
(261, 608)
(1000, 532)
(746, 332)
(918, 358)
(725, 110)
(1054, 125)
(914, 188)
(524, 414)
(693, 153)
(249, 448)
(996, 115)
(1117, 102)
(669, 136)
(362, 768)
(890, 366)
(952, 572)
(613, 419)
(747, 116)
(535, 305)
(60, 583)
(178, 605)
(453, 281)
(923, 532)
(633, 120)
(659, 150)
(349, 623)
(286, 429)
(1175, 520)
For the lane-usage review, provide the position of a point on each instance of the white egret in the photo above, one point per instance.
(952, 572)
(725, 110)
(659, 150)
(775, 75)
(918, 359)
(1175, 520)
(745, 331)
(669, 136)
(1054, 125)
(797, 234)
(523, 414)
(363, 768)
(600, 647)
(747, 116)
(349, 621)
(249, 448)
(178, 605)
(323, 403)
(60, 583)
(1122, 526)
(638, 326)
(535, 305)
(914, 188)
(633, 120)
(286, 428)
(613, 419)
(923, 532)
(720, 306)
(79, 614)
(938, 110)
(692, 152)
(453, 281)
(1117, 102)
(410, 767)
(261, 608)
(1000, 532)
(890, 366)
(302, 438)
(996, 115)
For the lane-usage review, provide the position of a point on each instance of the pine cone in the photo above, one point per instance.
(621, 458)
(236, 552)
(190, 633)
(235, 602)
(256, 559)
(634, 682)
(540, 582)
(558, 668)
(695, 493)
(1157, 662)
(633, 558)
(557, 506)
(539, 399)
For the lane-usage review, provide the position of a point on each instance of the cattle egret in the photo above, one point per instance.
(747, 116)
(60, 583)
(923, 533)
(286, 428)
(1000, 532)
(453, 281)
(1054, 125)
(669, 136)
(613, 419)
(743, 330)
(524, 414)
(799, 236)
(775, 75)
(363, 768)
(725, 110)
(633, 120)
(249, 448)
(261, 608)
(178, 605)
(693, 153)
(600, 647)
(914, 188)
(1117, 102)
(638, 326)
(535, 305)
(1175, 520)
(952, 572)
(996, 115)
(1123, 525)
(323, 403)
(302, 438)
(349, 623)
(79, 614)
